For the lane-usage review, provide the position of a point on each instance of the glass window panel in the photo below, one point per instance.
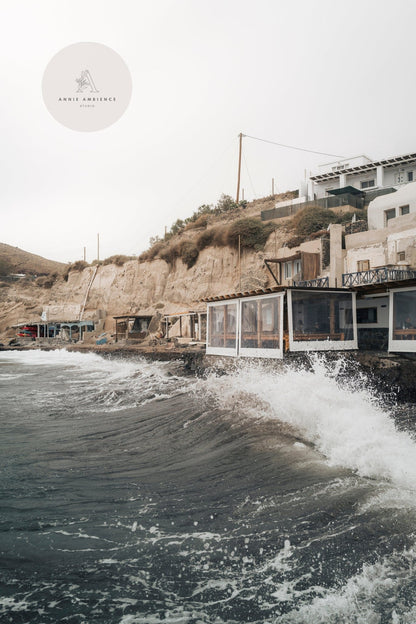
(223, 326)
(404, 315)
(389, 214)
(260, 323)
(322, 316)
(231, 326)
(216, 326)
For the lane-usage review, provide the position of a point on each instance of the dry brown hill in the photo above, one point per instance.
(15, 260)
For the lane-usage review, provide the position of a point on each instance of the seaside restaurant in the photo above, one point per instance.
(266, 323)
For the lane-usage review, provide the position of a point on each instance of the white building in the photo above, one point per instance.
(363, 174)
(349, 182)
(386, 207)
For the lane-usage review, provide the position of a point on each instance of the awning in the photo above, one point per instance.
(351, 190)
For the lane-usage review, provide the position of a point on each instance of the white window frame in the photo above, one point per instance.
(398, 346)
(322, 345)
(263, 353)
(227, 351)
(287, 270)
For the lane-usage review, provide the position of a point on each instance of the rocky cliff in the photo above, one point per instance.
(137, 287)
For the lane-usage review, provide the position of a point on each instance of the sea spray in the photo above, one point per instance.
(339, 415)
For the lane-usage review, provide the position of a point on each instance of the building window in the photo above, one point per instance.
(401, 256)
(288, 270)
(404, 209)
(363, 265)
(389, 214)
(367, 183)
(367, 315)
(297, 265)
(399, 177)
(410, 176)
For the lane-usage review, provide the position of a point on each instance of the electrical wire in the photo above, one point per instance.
(300, 149)
(249, 177)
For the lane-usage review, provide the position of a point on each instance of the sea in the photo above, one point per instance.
(132, 492)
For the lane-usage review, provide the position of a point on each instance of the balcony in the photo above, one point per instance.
(377, 276)
(319, 282)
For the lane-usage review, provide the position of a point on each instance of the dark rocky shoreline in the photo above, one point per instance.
(391, 375)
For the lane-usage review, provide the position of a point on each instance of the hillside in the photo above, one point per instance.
(167, 282)
(15, 260)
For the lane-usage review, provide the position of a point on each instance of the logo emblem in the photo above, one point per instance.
(86, 81)
(87, 87)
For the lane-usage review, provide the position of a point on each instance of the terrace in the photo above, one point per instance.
(377, 276)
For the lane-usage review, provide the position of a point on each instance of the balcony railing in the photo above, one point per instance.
(377, 276)
(319, 282)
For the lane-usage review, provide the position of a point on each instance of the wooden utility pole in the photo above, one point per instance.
(85, 254)
(239, 167)
(239, 262)
(98, 247)
(272, 186)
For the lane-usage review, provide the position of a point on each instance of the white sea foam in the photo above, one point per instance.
(342, 419)
(373, 596)
(91, 379)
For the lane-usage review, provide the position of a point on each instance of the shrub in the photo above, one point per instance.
(46, 281)
(188, 253)
(79, 265)
(200, 222)
(150, 254)
(205, 239)
(118, 259)
(5, 267)
(252, 233)
(347, 216)
(169, 253)
(225, 204)
(220, 237)
(312, 220)
(295, 241)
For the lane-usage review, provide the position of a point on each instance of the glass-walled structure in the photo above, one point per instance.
(402, 329)
(222, 326)
(250, 327)
(261, 325)
(321, 320)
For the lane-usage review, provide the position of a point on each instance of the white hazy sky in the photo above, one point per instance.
(326, 75)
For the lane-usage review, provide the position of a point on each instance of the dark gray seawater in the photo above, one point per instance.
(130, 493)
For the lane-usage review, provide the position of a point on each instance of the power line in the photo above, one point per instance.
(249, 177)
(300, 149)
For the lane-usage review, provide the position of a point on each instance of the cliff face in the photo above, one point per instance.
(105, 291)
(110, 290)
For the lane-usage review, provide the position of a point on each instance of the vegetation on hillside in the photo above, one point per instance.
(252, 234)
(118, 259)
(5, 267)
(15, 260)
(310, 220)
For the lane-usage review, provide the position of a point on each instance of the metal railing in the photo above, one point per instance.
(319, 282)
(376, 276)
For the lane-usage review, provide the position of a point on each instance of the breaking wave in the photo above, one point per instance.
(340, 415)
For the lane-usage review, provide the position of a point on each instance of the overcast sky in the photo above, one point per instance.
(325, 75)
